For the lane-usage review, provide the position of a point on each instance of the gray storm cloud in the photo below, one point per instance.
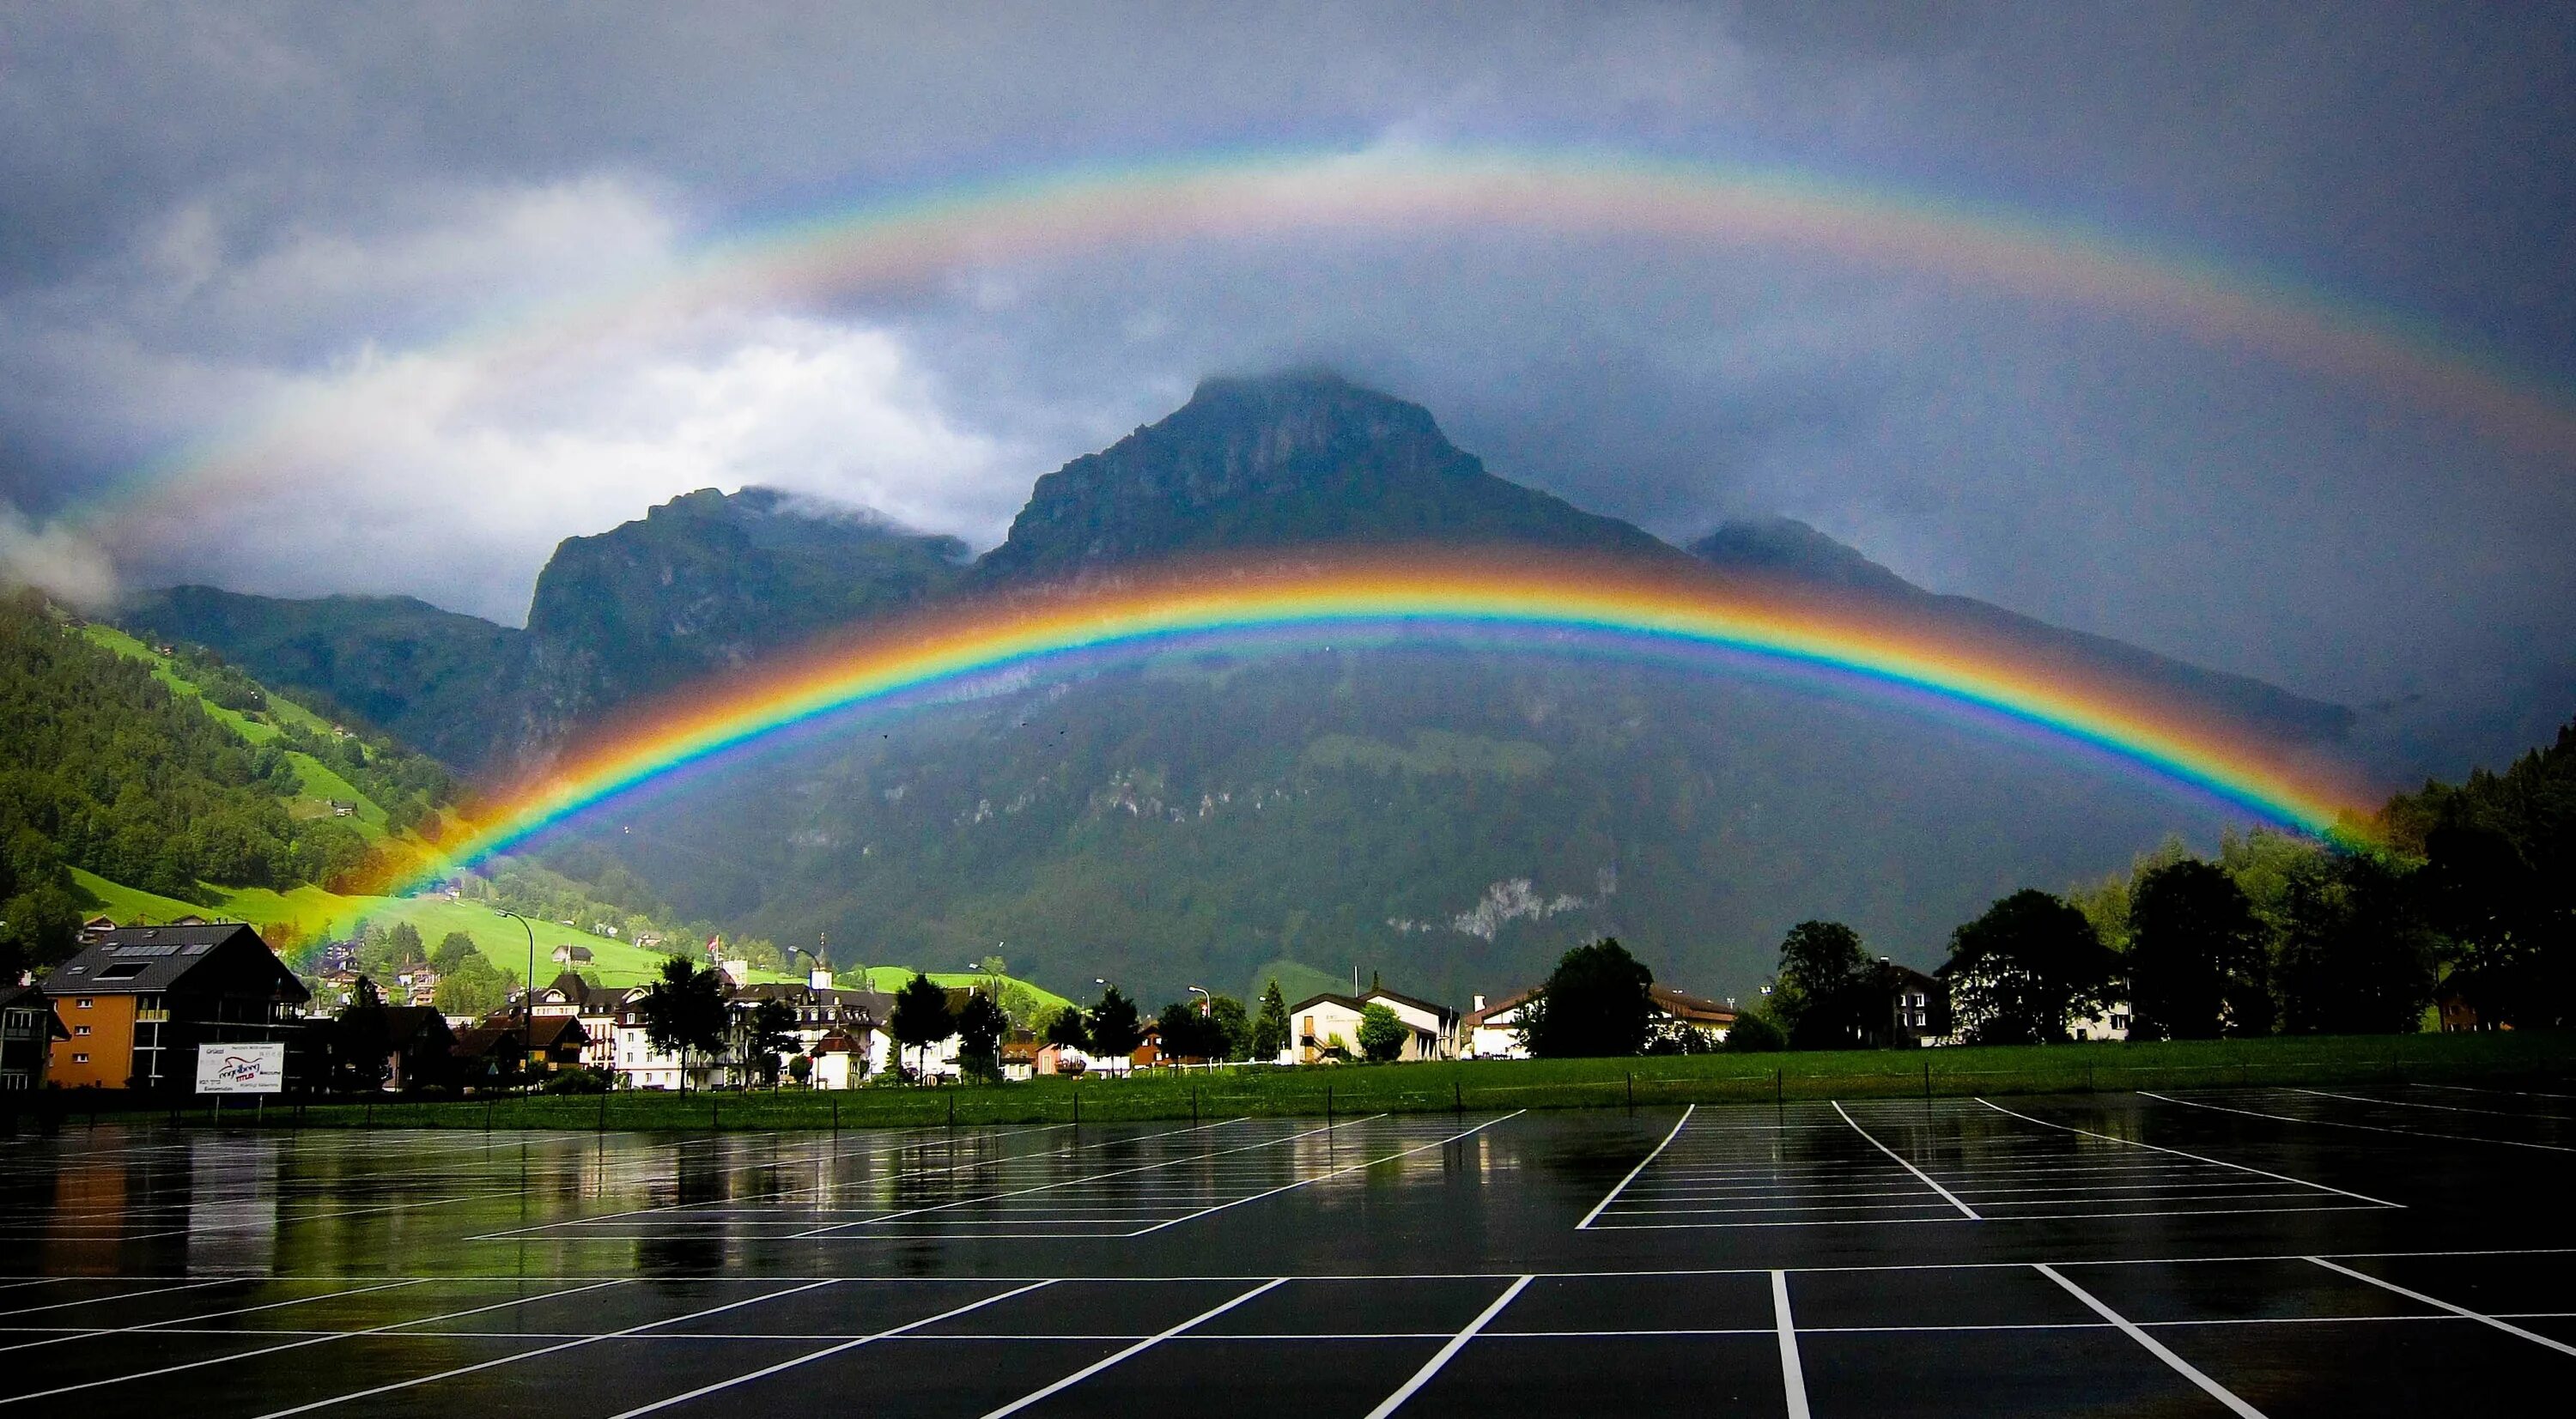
(213, 216)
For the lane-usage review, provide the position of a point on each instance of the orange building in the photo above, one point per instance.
(140, 999)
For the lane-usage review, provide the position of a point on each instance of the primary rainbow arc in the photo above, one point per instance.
(1585, 609)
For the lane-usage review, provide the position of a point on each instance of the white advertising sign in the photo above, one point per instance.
(241, 1069)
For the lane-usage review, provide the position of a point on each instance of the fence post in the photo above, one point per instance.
(836, 1113)
(1194, 1104)
(2088, 1076)
(1458, 1095)
(952, 1109)
(603, 1110)
(1927, 1076)
(487, 1113)
(1077, 1104)
(1328, 1103)
(370, 1119)
(715, 1113)
(1632, 1091)
(1779, 1091)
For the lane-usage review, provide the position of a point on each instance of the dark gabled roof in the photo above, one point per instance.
(1504, 1006)
(1689, 1008)
(226, 958)
(406, 1023)
(875, 1005)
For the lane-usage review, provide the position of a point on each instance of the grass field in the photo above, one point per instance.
(1504, 1084)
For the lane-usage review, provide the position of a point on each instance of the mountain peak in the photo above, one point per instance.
(1294, 458)
(1784, 546)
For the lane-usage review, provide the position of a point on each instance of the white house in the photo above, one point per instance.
(1327, 1026)
(1493, 1031)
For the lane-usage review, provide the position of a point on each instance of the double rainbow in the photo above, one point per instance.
(1553, 606)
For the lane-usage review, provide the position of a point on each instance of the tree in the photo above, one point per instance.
(1181, 1030)
(980, 1027)
(1270, 1027)
(1068, 1029)
(1114, 1026)
(404, 941)
(1233, 1026)
(475, 988)
(2356, 957)
(684, 1012)
(2506, 943)
(454, 950)
(1815, 994)
(768, 1032)
(1754, 1034)
(2025, 970)
(2195, 964)
(1595, 1004)
(921, 1017)
(1382, 1033)
(361, 1039)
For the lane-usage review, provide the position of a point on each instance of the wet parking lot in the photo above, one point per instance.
(2252, 1252)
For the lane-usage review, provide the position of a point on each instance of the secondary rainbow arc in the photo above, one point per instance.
(1581, 608)
(883, 246)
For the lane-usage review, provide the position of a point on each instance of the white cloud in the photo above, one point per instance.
(442, 476)
(450, 471)
(54, 559)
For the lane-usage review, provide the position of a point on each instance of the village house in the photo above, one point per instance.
(595, 1006)
(140, 1001)
(825, 1012)
(1493, 1031)
(29, 1027)
(496, 1049)
(1327, 1026)
(419, 1047)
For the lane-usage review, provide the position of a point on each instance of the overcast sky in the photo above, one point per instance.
(211, 214)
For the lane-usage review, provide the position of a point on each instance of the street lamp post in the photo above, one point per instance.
(1207, 1002)
(527, 994)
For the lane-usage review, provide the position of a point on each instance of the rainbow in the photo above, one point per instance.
(1567, 607)
(894, 247)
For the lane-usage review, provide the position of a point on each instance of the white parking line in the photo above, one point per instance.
(2362, 1127)
(842, 1227)
(314, 1340)
(207, 1315)
(2444, 1108)
(1325, 1177)
(2153, 1346)
(555, 1349)
(1140, 1347)
(1965, 1210)
(1456, 1343)
(1658, 1152)
(827, 1352)
(121, 1296)
(2160, 1148)
(2510, 1329)
(1793, 1375)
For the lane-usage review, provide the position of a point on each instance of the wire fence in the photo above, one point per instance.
(1341, 1092)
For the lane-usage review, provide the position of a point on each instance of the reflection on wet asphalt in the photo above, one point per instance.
(2264, 1251)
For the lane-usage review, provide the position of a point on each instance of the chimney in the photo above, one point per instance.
(1480, 1005)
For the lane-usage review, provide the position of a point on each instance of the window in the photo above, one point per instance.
(125, 970)
(80, 1029)
(80, 1059)
(81, 1003)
